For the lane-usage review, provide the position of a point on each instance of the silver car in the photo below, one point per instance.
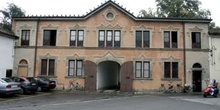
(9, 87)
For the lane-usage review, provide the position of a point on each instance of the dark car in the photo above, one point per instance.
(9, 87)
(44, 83)
(28, 84)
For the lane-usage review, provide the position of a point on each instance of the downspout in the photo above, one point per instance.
(184, 53)
(35, 47)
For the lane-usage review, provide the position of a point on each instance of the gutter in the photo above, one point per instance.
(184, 53)
(35, 48)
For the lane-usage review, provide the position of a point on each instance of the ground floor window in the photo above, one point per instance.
(48, 67)
(75, 68)
(142, 69)
(171, 70)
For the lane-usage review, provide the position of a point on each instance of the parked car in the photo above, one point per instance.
(9, 87)
(28, 84)
(45, 83)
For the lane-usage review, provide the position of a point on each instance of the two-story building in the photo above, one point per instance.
(214, 35)
(110, 48)
(7, 44)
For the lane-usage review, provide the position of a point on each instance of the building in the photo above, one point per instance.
(110, 48)
(7, 43)
(214, 35)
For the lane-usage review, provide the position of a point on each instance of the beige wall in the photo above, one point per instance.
(127, 52)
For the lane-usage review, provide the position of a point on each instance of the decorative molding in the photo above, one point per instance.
(108, 56)
(196, 29)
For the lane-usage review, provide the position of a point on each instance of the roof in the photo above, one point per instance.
(102, 6)
(7, 34)
(214, 31)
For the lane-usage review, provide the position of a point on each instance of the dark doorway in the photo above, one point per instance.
(197, 83)
(108, 76)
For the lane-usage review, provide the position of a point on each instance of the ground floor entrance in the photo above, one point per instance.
(108, 75)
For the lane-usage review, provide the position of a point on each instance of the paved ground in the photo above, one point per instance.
(125, 101)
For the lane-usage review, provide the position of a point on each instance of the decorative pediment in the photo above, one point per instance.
(143, 58)
(25, 26)
(109, 26)
(76, 56)
(50, 26)
(170, 28)
(142, 27)
(108, 56)
(195, 29)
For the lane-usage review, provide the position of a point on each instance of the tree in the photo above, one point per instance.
(11, 11)
(149, 13)
(179, 9)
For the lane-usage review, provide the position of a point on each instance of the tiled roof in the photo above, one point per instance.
(7, 34)
(215, 31)
(103, 5)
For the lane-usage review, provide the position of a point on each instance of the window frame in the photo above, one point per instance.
(78, 38)
(106, 42)
(172, 70)
(195, 43)
(170, 43)
(50, 41)
(142, 43)
(48, 67)
(142, 70)
(75, 68)
(25, 37)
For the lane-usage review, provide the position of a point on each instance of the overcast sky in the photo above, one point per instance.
(80, 7)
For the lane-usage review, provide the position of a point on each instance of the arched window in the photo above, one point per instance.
(197, 65)
(23, 62)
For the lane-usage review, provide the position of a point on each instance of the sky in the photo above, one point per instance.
(81, 7)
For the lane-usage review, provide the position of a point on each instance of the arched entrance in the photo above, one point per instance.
(23, 68)
(196, 77)
(108, 75)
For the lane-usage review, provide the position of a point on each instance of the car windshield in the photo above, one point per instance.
(6, 79)
(31, 79)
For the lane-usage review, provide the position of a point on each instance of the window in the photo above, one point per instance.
(48, 67)
(75, 68)
(25, 37)
(196, 40)
(76, 37)
(170, 39)
(49, 38)
(142, 39)
(109, 38)
(142, 69)
(171, 70)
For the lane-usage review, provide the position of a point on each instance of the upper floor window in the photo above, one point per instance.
(49, 37)
(170, 39)
(109, 38)
(48, 67)
(76, 37)
(75, 68)
(142, 39)
(171, 70)
(196, 40)
(142, 69)
(25, 37)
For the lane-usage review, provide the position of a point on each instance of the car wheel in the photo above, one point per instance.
(23, 91)
(39, 89)
(33, 92)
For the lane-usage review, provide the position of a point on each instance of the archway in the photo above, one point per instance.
(196, 77)
(23, 68)
(108, 75)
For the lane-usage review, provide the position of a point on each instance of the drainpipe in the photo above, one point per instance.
(184, 53)
(35, 47)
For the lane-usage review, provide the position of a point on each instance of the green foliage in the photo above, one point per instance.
(178, 9)
(11, 11)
